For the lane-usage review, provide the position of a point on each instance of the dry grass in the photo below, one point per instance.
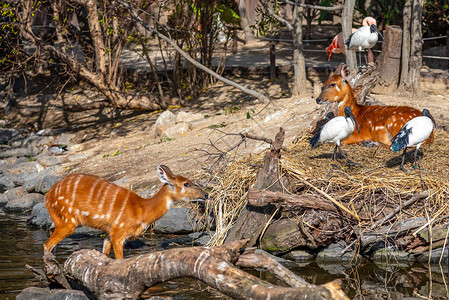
(371, 190)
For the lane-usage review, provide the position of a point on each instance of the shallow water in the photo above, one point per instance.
(21, 244)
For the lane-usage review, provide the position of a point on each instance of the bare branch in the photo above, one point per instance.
(134, 14)
(327, 8)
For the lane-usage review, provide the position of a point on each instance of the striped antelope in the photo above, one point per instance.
(92, 201)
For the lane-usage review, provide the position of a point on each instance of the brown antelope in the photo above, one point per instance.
(91, 201)
(377, 123)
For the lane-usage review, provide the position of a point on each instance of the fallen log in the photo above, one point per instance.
(261, 198)
(108, 278)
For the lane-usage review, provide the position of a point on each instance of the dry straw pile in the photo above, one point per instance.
(371, 189)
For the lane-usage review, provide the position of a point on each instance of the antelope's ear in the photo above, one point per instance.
(344, 72)
(338, 69)
(165, 174)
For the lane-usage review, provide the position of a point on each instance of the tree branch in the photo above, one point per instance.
(327, 8)
(108, 278)
(134, 14)
(279, 18)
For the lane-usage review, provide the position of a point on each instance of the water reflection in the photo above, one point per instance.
(21, 244)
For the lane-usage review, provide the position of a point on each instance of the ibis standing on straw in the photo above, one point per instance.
(414, 133)
(364, 38)
(335, 131)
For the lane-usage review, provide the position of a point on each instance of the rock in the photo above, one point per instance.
(3, 165)
(392, 258)
(166, 119)
(2, 213)
(333, 253)
(40, 216)
(3, 200)
(435, 256)
(187, 117)
(6, 184)
(21, 173)
(20, 152)
(176, 130)
(8, 134)
(35, 293)
(24, 203)
(299, 256)
(15, 193)
(192, 239)
(42, 182)
(50, 160)
(177, 220)
(65, 138)
(15, 161)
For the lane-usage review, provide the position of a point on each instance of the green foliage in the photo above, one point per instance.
(389, 9)
(232, 109)
(164, 139)
(221, 125)
(267, 23)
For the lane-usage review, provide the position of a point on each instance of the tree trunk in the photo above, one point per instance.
(108, 278)
(244, 21)
(348, 12)
(252, 220)
(299, 62)
(389, 61)
(405, 59)
(414, 74)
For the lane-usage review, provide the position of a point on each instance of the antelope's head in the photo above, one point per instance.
(336, 87)
(180, 188)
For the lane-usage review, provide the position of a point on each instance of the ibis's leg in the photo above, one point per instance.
(360, 58)
(402, 163)
(334, 155)
(415, 157)
(349, 162)
(366, 56)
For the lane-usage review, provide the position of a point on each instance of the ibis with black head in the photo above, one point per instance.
(413, 134)
(335, 131)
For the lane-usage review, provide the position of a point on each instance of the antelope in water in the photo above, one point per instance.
(92, 201)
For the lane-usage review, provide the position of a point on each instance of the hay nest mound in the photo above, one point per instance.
(372, 189)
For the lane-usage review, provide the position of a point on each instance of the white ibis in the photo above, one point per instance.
(338, 45)
(364, 38)
(413, 134)
(335, 131)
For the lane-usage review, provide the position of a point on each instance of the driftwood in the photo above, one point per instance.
(313, 229)
(252, 220)
(263, 198)
(106, 278)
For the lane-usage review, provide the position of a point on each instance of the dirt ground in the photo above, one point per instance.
(120, 145)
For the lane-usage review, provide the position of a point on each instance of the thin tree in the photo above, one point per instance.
(411, 47)
(295, 28)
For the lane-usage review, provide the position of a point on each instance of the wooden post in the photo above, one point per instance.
(272, 61)
(447, 49)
